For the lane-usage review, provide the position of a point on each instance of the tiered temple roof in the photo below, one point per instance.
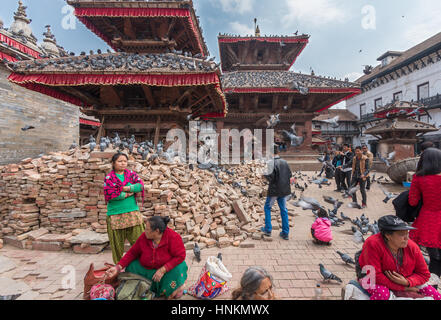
(260, 53)
(143, 26)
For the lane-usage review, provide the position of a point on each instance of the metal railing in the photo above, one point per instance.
(432, 102)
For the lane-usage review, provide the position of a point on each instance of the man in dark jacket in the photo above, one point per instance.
(346, 167)
(279, 188)
(337, 163)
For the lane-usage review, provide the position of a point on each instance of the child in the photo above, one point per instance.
(321, 229)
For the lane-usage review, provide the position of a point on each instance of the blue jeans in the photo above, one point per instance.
(283, 213)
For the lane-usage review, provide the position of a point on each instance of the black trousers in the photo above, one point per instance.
(338, 178)
(435, 261)
(362, 184)
(346, 179)
(368, 183)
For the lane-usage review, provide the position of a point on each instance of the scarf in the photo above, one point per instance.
(113, 186)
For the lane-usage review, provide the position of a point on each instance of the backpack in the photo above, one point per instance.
(134, 287)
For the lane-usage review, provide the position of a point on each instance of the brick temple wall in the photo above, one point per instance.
(56, 122)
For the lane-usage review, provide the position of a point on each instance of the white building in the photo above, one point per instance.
(412, 75)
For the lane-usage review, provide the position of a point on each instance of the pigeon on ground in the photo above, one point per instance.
(358, 236)
(27, 127)
(328, 275)
(374, 228)
(354, 205)
(197, 252)
(346, 259)
(10, 297)
(219, 256)
(344, 217)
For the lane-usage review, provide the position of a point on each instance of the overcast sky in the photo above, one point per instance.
(339, 29)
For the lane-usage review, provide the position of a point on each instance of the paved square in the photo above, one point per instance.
(292, 263)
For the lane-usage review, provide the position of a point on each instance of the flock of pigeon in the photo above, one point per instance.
(361, 226)
(280, 79)
(175, 60)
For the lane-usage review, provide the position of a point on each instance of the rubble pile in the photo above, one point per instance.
(47, 203)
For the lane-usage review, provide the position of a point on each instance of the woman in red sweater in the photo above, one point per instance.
(158, 255)
(394, 263)
(426, 185)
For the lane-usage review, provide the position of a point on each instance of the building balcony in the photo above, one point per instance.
(432, 102)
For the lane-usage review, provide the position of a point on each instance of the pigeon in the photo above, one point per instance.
(384, 160)
(27, 127)
(354, 205)
(389, 195)
(197, 252)
(219, 256)
(344, 217)
(346, 259)
(333, 122)
(358, 236)
(74, 145)
(391, 156)
(296, 141)
(351, 191)
(103, 144)
(304, 205)
(328, 275)
(10, 297)
(273, 121)
(374, 228)
(92, 143)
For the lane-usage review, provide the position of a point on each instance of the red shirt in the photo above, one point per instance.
(428, 222)
(169, 253)
(377, 254)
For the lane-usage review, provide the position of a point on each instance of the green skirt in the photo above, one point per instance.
(171, 281)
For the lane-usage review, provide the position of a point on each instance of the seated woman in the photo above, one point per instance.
(321, 229)
(256, 284)
(158, 255)
(398, 263)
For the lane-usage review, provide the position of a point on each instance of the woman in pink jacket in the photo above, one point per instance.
(321, 229)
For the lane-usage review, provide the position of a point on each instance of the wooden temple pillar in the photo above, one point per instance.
(157, 130)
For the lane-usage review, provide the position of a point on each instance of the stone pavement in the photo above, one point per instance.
(293, 264)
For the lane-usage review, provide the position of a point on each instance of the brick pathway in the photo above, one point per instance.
(293, 263)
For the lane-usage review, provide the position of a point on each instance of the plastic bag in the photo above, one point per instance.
(212, 280)
(102, 291)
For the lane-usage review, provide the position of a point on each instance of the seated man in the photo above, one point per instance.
(397, 262)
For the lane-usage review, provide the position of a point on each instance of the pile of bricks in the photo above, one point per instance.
(46, 202)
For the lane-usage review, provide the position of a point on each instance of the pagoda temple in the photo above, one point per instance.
(258, 83)
(158, 78)
(398, 131)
